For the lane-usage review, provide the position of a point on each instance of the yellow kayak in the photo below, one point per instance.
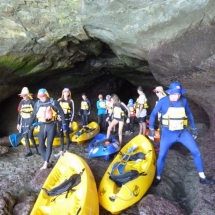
(82, 200)
(129, 175)
(56, 141)
(86, 133)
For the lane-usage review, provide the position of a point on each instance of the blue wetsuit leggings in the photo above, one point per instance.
(168, 138)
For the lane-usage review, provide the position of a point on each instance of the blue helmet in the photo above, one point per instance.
(131, 101)
(108, 97)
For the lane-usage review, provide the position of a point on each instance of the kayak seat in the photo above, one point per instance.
(124, 178)
(102, 142)
(66, 186)
(134, 157)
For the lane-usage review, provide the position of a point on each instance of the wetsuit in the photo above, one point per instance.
(101, 104)
(68, 109)
(130, 125)
(48, 125)
(25, 110)
(84, 110)
(169, 137)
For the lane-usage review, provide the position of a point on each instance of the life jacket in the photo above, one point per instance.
(45, 112)
(131, 109)
(175, 118)
(109, 106)
(102, 104)
(145, 105)
(84, 105)
(119, 111)
(65, 106)
(26, 111)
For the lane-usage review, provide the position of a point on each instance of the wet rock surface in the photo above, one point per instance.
(152, 204)
(7, 202)
(179, 188)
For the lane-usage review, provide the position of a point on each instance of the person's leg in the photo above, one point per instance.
(31, 137)
(112, 124)
(68, 141)
(42, 138)
(83, 119)
(27, 143)
(51, 132)
(132, 123)
(121, 123)
(167, 140)
(144, 126)
(103, 122)
(61, 136)
(187, 140)
(141, 127)
(100, 121)
(86, 119)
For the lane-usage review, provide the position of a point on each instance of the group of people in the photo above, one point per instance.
(172, 110)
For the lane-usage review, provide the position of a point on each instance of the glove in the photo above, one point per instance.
(27, 129)
(194, 132)
(151, 133)
(64, 127)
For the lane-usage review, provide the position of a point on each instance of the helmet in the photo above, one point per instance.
(42, 92)
(108, 97)
(131, 101)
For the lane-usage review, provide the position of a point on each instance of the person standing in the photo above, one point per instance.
(46, 110)
(141, 112)
(25, 109)
(67, 105)
(120, 114)
(130, 125)
(175, 113)
(101, 107)
(85, 109)
(109, 111)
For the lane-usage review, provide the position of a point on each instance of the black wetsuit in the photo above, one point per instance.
(25, 109)
(69, 115)
(47, 128)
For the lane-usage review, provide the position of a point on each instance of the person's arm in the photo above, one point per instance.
(19, 117)
(59, 110)
(72, 106)
(189, 113)
(97, 105)
(154, 113)
(33, 115)
(88, 101)
(126, 110)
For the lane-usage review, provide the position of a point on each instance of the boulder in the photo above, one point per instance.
(37, 182)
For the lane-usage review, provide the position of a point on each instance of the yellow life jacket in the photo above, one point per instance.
(132, 110)
(26, 111)
(137, 104)
(84, 105)
(65, 106)
(175, 118)
(109, 106)
(145, 105)
(118, 112)
(102, 104)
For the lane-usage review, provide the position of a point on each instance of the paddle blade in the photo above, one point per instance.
(15, 139)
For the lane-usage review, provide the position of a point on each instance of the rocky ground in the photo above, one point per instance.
(22, 178)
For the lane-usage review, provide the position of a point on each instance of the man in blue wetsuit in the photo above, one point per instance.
(174, 113)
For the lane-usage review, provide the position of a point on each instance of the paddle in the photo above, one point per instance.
(84, 130)
(121, 166)
(16, 138)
